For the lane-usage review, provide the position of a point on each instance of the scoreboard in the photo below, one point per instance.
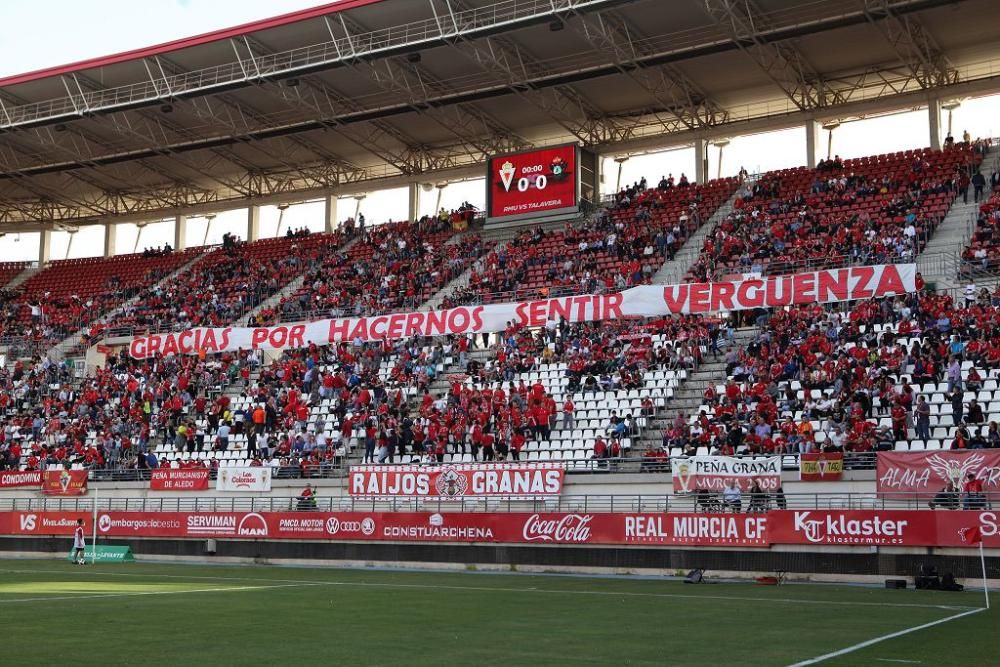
(536, 183)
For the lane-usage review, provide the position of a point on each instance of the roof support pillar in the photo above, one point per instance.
(414, 201)
(110, 238)
(44, 246)
(330, 214)
(180, 232)
(934, 122)
(253, 223)
(812, 134)
(700, 160)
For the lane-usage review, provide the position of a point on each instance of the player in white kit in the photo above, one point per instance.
(79, 544)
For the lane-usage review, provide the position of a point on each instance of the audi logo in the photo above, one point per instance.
(366, 526)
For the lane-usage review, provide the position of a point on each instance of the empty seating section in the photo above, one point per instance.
(9, 271)
(868, 210)
(621, 246)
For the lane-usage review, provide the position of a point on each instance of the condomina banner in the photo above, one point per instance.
(827, 286)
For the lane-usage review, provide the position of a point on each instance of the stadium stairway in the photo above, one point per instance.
(689, 395)
(286, 291)
(673, 270)
(460, 281)
(939, 262)
(68, 346)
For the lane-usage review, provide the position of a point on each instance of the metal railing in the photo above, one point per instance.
(581, 466)
(565, 503)
(264, 66)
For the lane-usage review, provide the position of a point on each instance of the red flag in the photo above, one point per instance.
(971, 535)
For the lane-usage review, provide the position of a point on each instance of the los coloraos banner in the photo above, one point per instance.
(243, 479)
(859, 282)
(713, 473)
(453, 482)
(927, 473)
(845, 528)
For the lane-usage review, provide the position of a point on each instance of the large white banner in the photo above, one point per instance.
(243, 479)
(859, 282)
(713, 473)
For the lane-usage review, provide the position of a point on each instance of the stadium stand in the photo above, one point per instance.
(406, 262)
(918, 372)
(983, 253)
(222, 287)
(586, 394)
(621, 246)
(10, 270)
(67, 294)
(871, 210)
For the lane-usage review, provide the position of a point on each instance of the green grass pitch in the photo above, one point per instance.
(150, 614)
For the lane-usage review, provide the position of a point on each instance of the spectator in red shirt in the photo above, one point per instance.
(973, 497)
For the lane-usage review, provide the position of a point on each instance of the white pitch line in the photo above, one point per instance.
(497, 589)
(878, 640)
(88, 596)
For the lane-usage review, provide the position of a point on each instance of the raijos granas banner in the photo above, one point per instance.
(507, 480)
(827, 286)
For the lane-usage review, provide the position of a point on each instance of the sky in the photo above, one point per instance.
(73, 30)
(47, 33)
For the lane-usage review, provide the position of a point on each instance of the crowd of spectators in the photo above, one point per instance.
(395, 266)
(881, 209)
(812, 365)
(618, 247)
(982, 255)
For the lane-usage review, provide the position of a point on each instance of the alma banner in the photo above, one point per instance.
(821, 467)
(454, 482)
(15, 478)
(171, 479)
(713, 473)
(927, 473)
(827, 286)
(243, 479)
(62, 482)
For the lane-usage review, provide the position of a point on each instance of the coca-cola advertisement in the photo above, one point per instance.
(714, 473)
(453, 482)
(928, 473)
(17, 478)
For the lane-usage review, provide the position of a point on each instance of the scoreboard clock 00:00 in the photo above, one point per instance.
(542, 181)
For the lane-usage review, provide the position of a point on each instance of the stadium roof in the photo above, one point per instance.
(369, 93)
